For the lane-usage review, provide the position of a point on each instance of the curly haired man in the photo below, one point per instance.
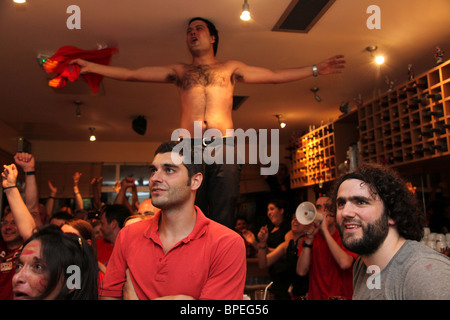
(379, 219)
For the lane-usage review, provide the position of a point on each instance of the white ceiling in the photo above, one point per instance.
(153, 33)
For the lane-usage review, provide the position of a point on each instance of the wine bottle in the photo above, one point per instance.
(407, 155)
(440, 147)
(434, 96)
(415, 118)
(438, 130)
(406, 140)
(405, 124)
(402, 95)
(422, 84)
(412, 89)
(425, 133)
(413, 106)
(428, 149)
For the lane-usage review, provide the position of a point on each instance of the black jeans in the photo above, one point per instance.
(219, 192)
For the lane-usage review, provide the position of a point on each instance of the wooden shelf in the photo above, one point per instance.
(409, 123)
(408, 126)
(319, 152)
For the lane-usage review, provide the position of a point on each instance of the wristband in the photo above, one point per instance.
(315, 71)
(4, 188)
(259, 247)
(305, 245)
(30, 173)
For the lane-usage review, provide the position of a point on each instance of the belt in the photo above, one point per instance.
(207, 141)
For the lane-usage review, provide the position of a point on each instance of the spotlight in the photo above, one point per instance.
(280, 123)
(245, 15)
(20, 1)
(92, 137)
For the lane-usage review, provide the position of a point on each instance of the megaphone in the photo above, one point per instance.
(306, 213)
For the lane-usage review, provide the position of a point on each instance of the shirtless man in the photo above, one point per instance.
(206, 88)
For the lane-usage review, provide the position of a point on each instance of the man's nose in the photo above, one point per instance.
(346, 211)
(155, 177)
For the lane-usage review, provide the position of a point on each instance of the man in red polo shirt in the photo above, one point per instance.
(326, 260)
(179, 254)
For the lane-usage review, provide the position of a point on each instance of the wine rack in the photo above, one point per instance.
(320, 151)
(410, 123)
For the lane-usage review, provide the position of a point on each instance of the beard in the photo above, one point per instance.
(373, 235)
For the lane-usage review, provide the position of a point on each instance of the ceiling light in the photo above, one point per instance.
(245, 15)
(379, 60)
(280, 123)
(20, 1)
(92, 137)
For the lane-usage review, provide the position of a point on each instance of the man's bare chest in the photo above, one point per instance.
(205, 76)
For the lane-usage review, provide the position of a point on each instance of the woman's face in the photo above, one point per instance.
(275, 214)
(32, 274)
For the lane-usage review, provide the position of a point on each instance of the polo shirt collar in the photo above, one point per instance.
(200, 227)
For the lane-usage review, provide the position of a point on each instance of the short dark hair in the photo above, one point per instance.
(400, 203)
(61, 215)
(60, 250)
(212, 31)
(116, 212)
(192, 167)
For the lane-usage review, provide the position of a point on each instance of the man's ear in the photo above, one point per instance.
(196, 181)
(213, 38)
(114, 224)
(391, 222)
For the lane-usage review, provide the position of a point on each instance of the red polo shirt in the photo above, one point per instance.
(326, 278)
(209, 264)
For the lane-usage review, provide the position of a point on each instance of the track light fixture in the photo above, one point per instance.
(245, 15)
(92, 137)
(77, 108)
(314, 90)
(280, 123)
(378, 59)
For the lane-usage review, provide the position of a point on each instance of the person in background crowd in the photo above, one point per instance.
(17, 225)
(378, 219)
(287, 285)
(146, 208)
(251, 245)
(42, 268)
(112, 219)
(324, 258)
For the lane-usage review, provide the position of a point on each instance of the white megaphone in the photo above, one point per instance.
(306, 213)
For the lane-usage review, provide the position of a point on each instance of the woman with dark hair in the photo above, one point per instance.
(55, 265)
(280, 222)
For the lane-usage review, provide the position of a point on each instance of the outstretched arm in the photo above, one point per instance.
(251, 74)
(159, 74)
